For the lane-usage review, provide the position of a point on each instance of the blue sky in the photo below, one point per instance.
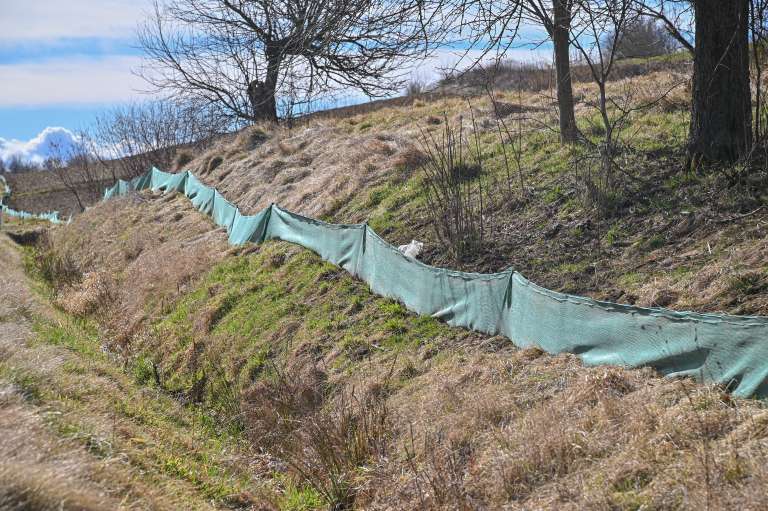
(62, 61)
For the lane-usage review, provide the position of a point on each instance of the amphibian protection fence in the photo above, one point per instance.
(730, 350)
(52, 216)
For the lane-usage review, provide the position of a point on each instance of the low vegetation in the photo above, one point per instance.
(261, 377)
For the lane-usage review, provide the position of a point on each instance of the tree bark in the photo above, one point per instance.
(262, 95)
(721, 108)
(561, 38)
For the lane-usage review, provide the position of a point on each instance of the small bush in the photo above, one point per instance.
(331, 447)
(58, 269)
(415, 88)
(410, 159)
(250, 138)
(273, 407)
(455, 192)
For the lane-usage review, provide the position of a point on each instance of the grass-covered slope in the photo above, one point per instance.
(329, 395)
(671, 238)
(313, 393)
(78, 432)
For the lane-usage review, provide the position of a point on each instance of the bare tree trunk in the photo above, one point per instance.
(721, 110)
(561, 40)
(262, 94)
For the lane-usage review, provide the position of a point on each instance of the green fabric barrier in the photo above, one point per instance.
(52, 216)
(731, 350)
(167, 182)
(339, 244)
(471, 300)
(200, 195)
(249, 228)
(223, 211)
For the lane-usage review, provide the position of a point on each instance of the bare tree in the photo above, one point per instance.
(17, 165)
(129, 140)
(241, 55)
(495, 27)
(642, 37)
(77, 169)
(675, 16)
(758, 14)
(599, 52)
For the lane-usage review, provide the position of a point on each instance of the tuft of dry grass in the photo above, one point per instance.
(182, 159)
(214, 163)
(94, 293)
(31, 488)
(252, 137)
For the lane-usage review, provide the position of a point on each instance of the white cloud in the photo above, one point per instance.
(40, 148)
(56, 19)
(69, 80)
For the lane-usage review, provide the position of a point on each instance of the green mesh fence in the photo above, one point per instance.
(730, 350)
(52, 216)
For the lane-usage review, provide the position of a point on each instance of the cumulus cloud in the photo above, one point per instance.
(40, 148)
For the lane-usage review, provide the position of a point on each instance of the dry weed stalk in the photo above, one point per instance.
(454, 190)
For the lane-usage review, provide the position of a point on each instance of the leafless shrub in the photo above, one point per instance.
(76, 168)
(511, 138)
(642, 37)
(454, 190)
(415, 88)
(274, 407)
(599, 167)
(17, 165)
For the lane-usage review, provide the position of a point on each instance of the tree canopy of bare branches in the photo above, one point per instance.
(643, 37)
(131, 139)
(676, 16)
(494, 26)
(76, 168)
(245, 55)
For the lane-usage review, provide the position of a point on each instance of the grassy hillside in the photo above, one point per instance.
(346, 398)
(261, 377)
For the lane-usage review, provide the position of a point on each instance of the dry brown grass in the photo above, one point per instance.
(307, 169)
(492, 431)
(470, 424)
(96, 291)
(31, 488)
(146, 249)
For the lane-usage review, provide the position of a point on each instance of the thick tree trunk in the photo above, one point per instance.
(262, 94)
(721, 109)
(560, 37)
